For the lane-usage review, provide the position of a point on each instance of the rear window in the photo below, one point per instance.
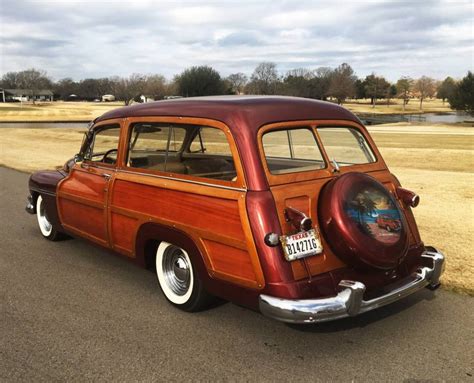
(347, 146)
(292, 150)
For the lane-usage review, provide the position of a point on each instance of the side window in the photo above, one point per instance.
(346, 145)
(211, 141)
(104, 145)
(156, 146)
(199, 151)
(291, 150)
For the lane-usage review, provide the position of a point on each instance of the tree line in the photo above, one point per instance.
(323, 83)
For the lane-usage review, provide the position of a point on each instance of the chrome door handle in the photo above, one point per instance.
(106, 176)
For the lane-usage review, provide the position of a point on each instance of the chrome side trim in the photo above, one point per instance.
(350, 301)
(181, 180)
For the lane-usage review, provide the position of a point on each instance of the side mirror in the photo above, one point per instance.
(78, 158)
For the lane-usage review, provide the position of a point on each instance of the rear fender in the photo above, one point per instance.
(156, 232)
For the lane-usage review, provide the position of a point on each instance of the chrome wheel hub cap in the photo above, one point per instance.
(176, 270)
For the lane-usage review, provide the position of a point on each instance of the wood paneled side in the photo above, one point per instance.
(123, 231)
(230, 260)
(213, 219)
(207, 213)
(83, 218)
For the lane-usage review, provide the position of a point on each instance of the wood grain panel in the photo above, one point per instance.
(123, 231)
(229, 260)
(215, 215)
(83, 218)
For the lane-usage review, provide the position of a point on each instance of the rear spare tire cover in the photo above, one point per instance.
(362, 222)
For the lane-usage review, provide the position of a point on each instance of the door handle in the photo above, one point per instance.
(106, 176)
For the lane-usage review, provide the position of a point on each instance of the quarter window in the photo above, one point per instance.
(292, 150)
(345, 145)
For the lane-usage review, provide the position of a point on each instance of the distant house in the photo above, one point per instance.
(146, 98)
(108, 97)
(25, 95)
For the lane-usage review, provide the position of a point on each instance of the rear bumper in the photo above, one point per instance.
(350, 301)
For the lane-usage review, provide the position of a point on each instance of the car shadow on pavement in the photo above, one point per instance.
(367, 318)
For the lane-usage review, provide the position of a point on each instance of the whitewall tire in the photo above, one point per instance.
(46, 227)
(178, 278)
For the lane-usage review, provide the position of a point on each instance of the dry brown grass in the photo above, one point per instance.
(55, 111)
(396, 106)
(435, 161)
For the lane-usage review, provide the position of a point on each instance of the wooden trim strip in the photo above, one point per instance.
(181, 180)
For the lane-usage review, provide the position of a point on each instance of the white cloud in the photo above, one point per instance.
(94, 38)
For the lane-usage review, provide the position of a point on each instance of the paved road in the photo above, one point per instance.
(71, 311)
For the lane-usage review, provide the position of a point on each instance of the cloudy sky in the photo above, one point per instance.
(97, 38)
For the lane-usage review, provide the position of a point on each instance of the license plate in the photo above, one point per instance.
(301, 245)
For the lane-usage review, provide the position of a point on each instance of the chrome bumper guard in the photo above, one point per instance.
(350, 302)
(30, 207)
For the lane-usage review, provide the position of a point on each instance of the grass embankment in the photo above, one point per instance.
(435, 161)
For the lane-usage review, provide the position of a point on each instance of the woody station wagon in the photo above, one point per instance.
(280, 204)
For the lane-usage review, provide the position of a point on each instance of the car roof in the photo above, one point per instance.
(255, 111)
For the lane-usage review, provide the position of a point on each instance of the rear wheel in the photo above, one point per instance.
(46, 227)
(178, 279)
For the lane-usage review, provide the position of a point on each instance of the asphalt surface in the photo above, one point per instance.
(71, 311)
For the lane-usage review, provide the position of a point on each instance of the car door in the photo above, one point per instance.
(82, 196)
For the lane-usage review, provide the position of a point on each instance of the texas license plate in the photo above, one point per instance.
(301, 245)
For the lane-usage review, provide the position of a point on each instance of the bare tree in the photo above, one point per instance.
(126, 89)
(404, 86)
(425, 87)
(342, 83)
(237, 82)
(9, 80)
(264, 79)
(33, 80)
(155, 85)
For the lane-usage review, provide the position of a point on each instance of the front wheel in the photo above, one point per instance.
(46, 227)
(178, 279)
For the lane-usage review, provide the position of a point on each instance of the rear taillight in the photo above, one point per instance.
(408, 197)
